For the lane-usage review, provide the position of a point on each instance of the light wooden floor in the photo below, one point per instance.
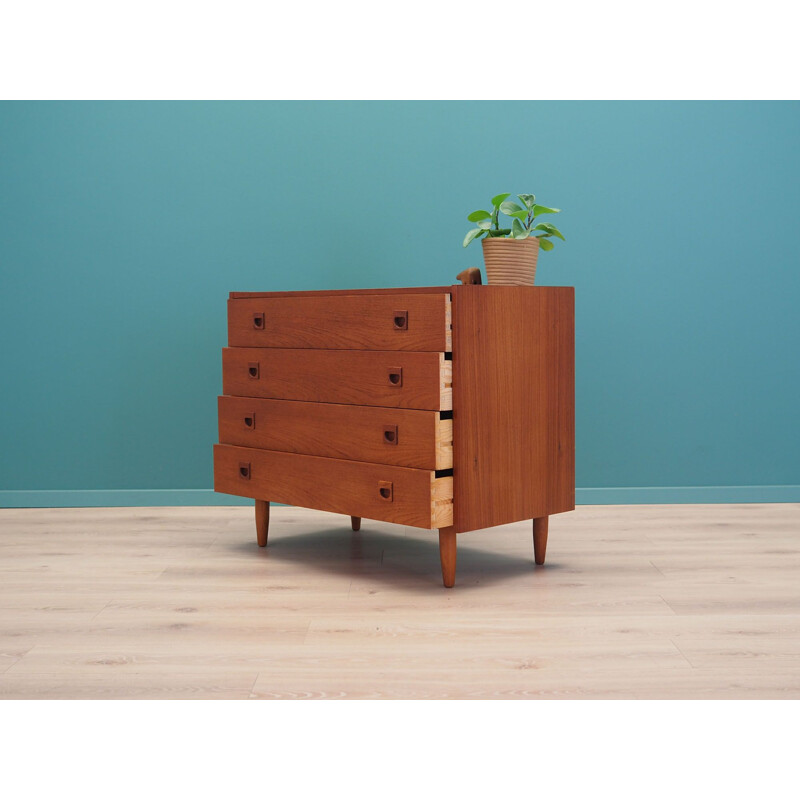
(634, 602)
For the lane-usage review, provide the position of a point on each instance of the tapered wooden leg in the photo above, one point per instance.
(540, 538)
(447, 553)
(356, 523)
(262, 522)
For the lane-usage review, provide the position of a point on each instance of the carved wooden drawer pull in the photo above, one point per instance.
(396, 376)
(385, 490)
(401, 320)
(258, 321)
(390, 434)
(253, 370)
(250, 420)
(244, 470)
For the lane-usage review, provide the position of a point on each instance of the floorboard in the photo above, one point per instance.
(674, 601)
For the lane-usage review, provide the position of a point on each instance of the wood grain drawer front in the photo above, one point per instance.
(358, 377)
(403, 437)
(393, 494)
(349, 322)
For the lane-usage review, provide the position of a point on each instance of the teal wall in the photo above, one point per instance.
(124, 225)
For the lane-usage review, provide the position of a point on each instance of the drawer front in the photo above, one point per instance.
(349, 322)
(403, 437)
(374, 491)
(358, 377)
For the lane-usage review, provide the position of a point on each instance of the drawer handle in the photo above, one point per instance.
(244, 470)
(385, 490)
(250, 420)
(396, 376)
(258, 321)
(401, 320)
(390, 434)
(252, 369)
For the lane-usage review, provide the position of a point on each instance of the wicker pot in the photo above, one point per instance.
(511, 261)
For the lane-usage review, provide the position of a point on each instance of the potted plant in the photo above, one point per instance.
(510, 253)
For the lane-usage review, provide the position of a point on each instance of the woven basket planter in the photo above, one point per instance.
(511, 261)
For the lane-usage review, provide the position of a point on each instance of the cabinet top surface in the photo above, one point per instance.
(399, 290)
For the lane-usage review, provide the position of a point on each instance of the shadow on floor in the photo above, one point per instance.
(381, 557)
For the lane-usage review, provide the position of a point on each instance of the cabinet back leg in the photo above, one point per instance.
(540, 538)
(262, 522)
(447, 554)
(356, 523)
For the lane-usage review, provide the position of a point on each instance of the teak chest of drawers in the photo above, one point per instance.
(445, 407)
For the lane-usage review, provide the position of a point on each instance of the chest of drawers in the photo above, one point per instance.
(448, 408)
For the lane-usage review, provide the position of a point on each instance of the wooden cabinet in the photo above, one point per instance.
(448, 408)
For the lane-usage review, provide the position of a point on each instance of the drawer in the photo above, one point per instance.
(344, 322)
(357, 377)
(403, 437)
(406, 496)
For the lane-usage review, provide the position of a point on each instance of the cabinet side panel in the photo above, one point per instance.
(513, 403)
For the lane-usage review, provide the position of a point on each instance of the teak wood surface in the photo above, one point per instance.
(448, 555)
(540, 528)
(359, 377)
(262, 522)
(354, 322)
(513, 404)
(399, 436)
(325, 384)
(413, 496)
(342, 292)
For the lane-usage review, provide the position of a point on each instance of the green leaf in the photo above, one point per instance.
(498, 198)
(528, 200)
(551, 229)
(517, 231)
(472, 234)
(510, 208)
(475, 216)
(546, 244)
(498, 233)
(485, 224)
(544, 210)
(521, 215)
